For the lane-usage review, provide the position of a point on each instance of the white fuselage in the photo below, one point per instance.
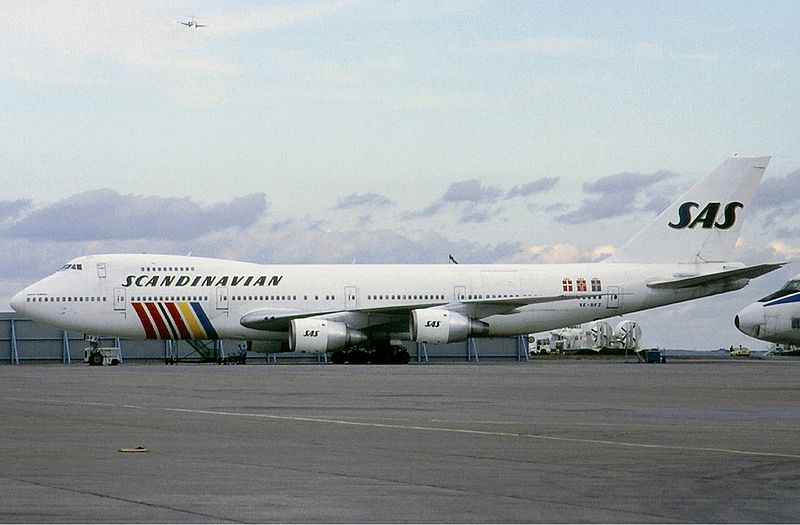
(776, 321)
(183, 297)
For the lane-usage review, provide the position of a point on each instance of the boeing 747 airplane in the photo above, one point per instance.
(368, 310)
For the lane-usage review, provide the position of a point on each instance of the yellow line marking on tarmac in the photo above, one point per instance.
(423, 428)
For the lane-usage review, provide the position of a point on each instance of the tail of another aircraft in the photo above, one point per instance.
(703, 225)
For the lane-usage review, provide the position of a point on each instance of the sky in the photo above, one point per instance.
(381, 132)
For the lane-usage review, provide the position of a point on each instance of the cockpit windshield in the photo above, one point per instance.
(71, 267)
(789, 288)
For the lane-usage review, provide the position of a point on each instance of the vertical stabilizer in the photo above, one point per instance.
(703, 225)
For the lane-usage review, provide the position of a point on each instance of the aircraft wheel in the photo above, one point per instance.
(402, 357)
(337, 357)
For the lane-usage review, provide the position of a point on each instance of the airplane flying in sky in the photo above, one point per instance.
(355, 311)
(774, 318)
(191, 23)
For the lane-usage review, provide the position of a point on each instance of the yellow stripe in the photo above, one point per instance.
(190, 317)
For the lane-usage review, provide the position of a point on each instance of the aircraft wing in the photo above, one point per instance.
(278, 319)
(748, 272)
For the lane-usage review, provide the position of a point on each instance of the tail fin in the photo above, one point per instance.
(703, 225)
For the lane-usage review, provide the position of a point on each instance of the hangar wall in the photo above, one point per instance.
(24, 341)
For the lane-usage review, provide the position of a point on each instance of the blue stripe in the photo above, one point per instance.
(201, 315)
(795, 298)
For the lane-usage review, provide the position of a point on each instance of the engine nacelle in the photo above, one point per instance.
(322, 335)
(435, 325)
(629, 335)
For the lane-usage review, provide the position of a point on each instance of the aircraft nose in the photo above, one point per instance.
(18, 302)
(750, 320)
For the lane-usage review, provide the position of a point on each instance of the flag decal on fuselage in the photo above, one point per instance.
(174, 320)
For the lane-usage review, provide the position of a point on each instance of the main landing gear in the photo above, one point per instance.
(381, 353)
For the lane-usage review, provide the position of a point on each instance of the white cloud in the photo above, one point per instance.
(84, 42)
(786, 251)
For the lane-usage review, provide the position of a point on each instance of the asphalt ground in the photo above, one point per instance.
(560, 441)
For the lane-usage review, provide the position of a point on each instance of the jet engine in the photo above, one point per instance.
(435, 325)
(629, 335)
(321, 335)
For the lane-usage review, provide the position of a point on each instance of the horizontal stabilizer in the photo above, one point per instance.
(748, 272)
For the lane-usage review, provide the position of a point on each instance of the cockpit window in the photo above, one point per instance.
(789, 288)
(71, 267)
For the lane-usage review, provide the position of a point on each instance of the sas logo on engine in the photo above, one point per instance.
(708, 217)
(433, 324)
(311, 333)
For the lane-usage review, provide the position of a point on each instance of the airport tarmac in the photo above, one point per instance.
(560, 441)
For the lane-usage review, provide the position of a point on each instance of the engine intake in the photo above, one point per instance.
(435, 325)
(322, 335)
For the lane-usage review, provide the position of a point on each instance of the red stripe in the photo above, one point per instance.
(156, 315)
(146, 324)
(176, 317)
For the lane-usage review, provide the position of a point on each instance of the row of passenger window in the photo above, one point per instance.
(65, 299)
(167, 268)
(170, 298)
(405, 297)
(276, 298)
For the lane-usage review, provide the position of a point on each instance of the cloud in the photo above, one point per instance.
(473, 197)
(91, 43)
(106, 215)
(467, 192)
(471, 191)
(356, 200)
(785, 251)
(778, 199)
(625, 183)
(792, 233)
(550, 253)
(618, 195)
(776, 192)
(11, 209)
(302, 242)
(537, 186)
(476, 215)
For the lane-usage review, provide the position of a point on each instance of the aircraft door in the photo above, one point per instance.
(612, 299)
(459, 293)
(222, 297)
(119, 299)
(350, 297)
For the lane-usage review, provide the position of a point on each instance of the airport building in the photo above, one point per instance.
(24, 341)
